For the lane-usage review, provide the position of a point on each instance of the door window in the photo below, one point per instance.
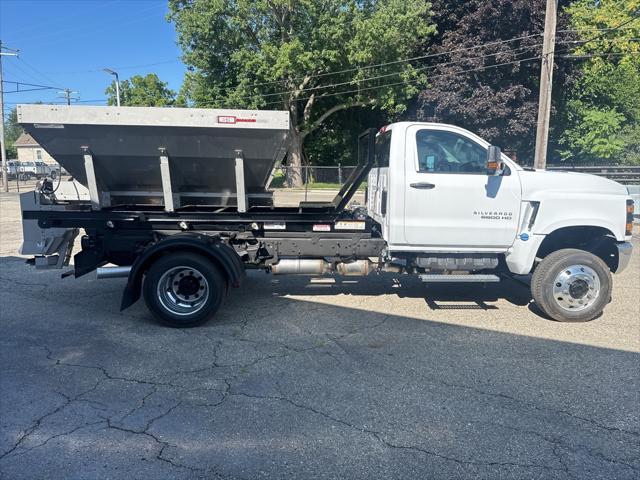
(448, 152)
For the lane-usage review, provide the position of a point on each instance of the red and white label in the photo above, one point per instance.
(230, 119)
(321, 227)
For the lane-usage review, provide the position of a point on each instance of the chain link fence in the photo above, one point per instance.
(311, 176)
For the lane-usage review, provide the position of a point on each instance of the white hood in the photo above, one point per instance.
(545, 182)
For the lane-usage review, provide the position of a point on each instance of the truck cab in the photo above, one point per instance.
(436, 197)
(430, 191)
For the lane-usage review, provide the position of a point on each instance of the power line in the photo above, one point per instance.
(23, 71)
(377, 77)
(136, 17)
(612, 29)
(588, 29)
(38, 86)
(38, 26)
(394, 62)
(594, 55)
(126, 67)
(48, 79)
(417, 80)
(54, 102)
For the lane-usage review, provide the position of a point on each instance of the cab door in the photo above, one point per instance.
(451, 204)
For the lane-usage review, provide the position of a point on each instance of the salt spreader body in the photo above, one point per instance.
(178, 202)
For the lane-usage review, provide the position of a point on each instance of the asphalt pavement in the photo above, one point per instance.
(302, 377)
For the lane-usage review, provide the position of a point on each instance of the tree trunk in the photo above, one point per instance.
(294, 163)
(294, 170)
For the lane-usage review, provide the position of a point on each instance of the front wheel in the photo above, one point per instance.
(571, 285)
(183, 290)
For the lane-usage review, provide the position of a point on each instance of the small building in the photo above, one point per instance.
(30, 151)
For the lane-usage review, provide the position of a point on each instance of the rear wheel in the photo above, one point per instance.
(183, 290)
(571, 285)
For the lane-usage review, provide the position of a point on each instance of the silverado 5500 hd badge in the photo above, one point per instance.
(493, 215)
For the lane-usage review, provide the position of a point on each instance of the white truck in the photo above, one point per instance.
(177, 201)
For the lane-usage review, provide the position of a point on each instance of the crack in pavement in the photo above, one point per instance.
(108, 421)
(558, 446)
(52, 437)
(163, 444)
(557, 442)
(283, 345)
(533, 406)
(35, 425)
(545, 409)
(379, 436)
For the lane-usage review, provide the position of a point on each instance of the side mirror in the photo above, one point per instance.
(494, 161)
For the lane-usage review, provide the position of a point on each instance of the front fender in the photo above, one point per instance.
(571, 209)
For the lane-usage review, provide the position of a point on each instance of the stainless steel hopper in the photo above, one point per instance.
(163, 156)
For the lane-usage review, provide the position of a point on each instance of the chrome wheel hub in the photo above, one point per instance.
(576, 287)
(183, 290)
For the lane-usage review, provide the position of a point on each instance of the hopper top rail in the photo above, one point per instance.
(56, 116)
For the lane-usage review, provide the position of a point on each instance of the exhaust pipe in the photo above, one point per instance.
(301, 266)
(315, 266)
(356, 268)
(112, 272)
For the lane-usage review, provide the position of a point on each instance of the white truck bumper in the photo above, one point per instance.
(624, 255)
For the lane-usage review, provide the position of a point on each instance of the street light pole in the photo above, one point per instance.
(115, 74)
(3, 153)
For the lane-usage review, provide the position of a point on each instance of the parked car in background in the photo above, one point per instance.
(29, 170)
(46, 170)
(12, 168)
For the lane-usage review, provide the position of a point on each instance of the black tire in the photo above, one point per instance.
(166, 306)
(559, 263)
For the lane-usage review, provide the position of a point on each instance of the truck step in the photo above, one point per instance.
(477, 278)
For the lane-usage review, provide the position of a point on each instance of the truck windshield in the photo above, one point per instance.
(383, 149)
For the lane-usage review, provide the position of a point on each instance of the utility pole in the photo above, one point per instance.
(546, 82)
(66, 94)
(3, 154)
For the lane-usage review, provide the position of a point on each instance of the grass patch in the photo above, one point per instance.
(279, 181)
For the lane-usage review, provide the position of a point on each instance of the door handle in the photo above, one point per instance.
(423, 185)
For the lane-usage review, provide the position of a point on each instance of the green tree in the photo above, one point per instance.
(139, 91)
(482, 80)
(309, 57)
(631, 138)
(12, 130)
(604, 110)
